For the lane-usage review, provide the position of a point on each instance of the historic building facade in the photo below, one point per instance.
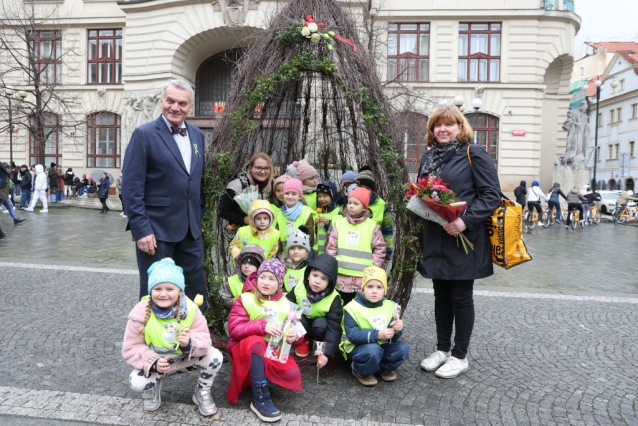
(512, 57)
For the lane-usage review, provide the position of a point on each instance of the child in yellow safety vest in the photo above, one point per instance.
(308, 176)
(167, 334)
(322, 310)
(278, 189)
(381, 211)
(356, 241)
(249, 260)
(296, 258)
(259, 231)
(294, 213)
(327, 213)
(372, 328)
(255, 317)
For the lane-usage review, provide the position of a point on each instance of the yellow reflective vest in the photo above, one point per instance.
(293, 277)
(286, 226)
(247, 237)
(354, 246)
(272, 311)
(321, 235)
(313, 310)
(162, 333)
(236, 286)
(366, 318)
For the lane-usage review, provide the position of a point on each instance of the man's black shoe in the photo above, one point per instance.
(18, 220)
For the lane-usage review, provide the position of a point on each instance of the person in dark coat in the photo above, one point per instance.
(26, 184)
(68, 182)
(103, 191)
(452, 270)
(321, 328)
(53, 183)
(554, 202)
(520, 192)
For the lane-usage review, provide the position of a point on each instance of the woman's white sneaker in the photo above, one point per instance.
(452, 368)
(434, 361)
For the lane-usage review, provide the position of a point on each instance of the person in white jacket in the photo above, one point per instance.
(40, 189)
(534, 197)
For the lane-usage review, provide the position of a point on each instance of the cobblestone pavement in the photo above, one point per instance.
(537, 356)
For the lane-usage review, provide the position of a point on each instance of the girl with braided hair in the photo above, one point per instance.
(166, 334)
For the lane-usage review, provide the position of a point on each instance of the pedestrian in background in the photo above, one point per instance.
(103, 191)
(5, 192)
(40, 189)
(534, 198)
(53, 183)
(61, 177)
(26, 184)
(68, 182)
(520, 192)
(118, 184)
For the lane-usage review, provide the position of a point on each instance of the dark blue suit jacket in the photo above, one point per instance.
(159, 196)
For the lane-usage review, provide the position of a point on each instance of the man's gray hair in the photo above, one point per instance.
(180, 84)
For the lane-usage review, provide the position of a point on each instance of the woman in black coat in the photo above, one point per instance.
(103, 191)
(452, 271)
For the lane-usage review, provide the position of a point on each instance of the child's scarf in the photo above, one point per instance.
(292, 213)
(170, 313)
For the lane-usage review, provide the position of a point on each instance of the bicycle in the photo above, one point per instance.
(531, 218)
(593, 215)
(549, 217)
(623, 214)
(574, 219)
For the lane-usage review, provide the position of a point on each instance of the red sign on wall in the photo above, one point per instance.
(518, 133)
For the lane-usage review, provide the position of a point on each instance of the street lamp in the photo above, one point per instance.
(8, 91)
(599, 86)
(477, 103)
(458, 101)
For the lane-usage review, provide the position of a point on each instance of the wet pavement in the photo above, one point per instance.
(554, 340)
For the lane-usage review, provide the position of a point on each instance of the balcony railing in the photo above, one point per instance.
(558, 5)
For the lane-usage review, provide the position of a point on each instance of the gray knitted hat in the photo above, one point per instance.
(298, 239)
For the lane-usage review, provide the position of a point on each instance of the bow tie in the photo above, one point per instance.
(180, 130)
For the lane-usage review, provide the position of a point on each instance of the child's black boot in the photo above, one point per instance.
(262, 405)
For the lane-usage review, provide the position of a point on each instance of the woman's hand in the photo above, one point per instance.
(272, 330)
(456, 227)
(163, 365)
(322, 360)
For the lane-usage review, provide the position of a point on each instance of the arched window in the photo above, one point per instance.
(485, 132)
(214, 81)
(612, 185)
(103, 140)
(52, 152)
(414, 143)
(629, 184)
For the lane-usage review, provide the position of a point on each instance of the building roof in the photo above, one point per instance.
(614, 46)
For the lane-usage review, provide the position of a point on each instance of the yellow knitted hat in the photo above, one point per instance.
(375, 273)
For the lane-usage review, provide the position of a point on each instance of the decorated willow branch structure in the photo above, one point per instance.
(304, 90)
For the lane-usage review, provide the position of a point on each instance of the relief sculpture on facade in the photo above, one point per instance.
(577, 127)
(234, 12)
(139, 108)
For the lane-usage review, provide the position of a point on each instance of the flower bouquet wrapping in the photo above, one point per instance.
(246, 197)
(278, 348)
(431, 199)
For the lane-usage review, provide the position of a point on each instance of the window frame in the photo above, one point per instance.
(37, 62)
(610, 151)
(98, 61)
(422, 29)
(632, 149)
(634, 110)
(619, 114)
(92, 130)
(600, 119)
(612, 115)
(34, 150)
(489, 57)
(491, 131)
(598, 159)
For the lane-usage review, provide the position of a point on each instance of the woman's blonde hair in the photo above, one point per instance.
(449, 114)
(263, 156)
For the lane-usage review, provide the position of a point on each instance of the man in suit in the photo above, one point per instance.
(163, 166)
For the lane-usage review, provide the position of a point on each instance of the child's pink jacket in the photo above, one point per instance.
(137, 353)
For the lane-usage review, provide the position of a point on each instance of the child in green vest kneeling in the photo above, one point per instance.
(259, 231)
(372, 328)
(249, 260)
(356, 241)
(321, 304)
(294, 213)
(255, 317)
(327, 212)
(167, 334)
(296, 258)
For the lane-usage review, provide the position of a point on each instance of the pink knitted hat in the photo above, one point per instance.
(281, 179)
(304, 170)
(293, 185)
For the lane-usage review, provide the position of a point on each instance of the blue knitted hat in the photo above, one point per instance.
(165, 271)
(349, 175)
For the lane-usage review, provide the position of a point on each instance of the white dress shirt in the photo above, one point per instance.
(184, 145)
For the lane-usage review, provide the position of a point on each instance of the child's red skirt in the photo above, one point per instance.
(286, 375)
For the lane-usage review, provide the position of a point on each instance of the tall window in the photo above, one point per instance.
(632, 146)
(597, 153)
(612, 116)
(634, 110)
(600, 119)
(104, 57)
(214, 81)
(479, 52)
(52, 153)
(485, 132)
(610, 154)
(46, 54)
(414, 143)
(408, 52)
(103, 140)
(619, 114)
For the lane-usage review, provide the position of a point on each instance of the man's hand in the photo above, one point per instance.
(147, 244)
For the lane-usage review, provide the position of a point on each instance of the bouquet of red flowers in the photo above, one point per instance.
(431, 199)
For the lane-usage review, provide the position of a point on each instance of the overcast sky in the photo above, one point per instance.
(606, 19)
